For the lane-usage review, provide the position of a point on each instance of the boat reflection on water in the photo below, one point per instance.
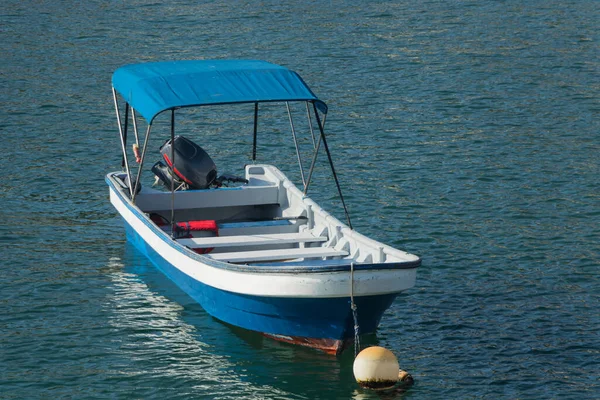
(163, 331)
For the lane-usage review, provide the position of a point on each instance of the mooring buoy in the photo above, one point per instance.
(377, 368)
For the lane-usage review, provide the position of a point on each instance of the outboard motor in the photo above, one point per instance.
(193, 169)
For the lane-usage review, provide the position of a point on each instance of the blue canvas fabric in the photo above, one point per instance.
(151, 88)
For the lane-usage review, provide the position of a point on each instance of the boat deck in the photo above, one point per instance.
(267, 221)
(253, 247)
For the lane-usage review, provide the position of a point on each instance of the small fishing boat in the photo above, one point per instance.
(254, 250)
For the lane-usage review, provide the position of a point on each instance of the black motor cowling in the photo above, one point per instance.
(193, 166)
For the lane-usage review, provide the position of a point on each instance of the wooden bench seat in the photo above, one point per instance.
(152, 200)
(250, 240)
(280, 254)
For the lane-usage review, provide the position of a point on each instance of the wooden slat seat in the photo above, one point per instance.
(280, 254)
(263, 223)
(260, 227)
(154, 200)
(251, 240)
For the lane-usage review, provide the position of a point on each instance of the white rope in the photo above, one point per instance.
(354, 316)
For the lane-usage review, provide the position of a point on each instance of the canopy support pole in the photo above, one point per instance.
(312, 166)
(125, 123)
(135, 129)
(172, 179)
(296, 143)
(255, 131)
(315, 154)
(139, 174)
(310, 126)
(337, 183)
(123, 148)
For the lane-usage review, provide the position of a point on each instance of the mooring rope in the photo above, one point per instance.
(354, 316)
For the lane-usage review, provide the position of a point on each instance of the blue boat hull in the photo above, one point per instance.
(324, 323)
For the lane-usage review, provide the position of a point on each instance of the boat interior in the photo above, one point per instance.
(267, 221)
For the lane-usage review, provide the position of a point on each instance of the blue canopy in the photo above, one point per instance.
(151, 88)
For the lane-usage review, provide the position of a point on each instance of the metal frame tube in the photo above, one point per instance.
(135, 129)
(315, 154)
(296, 143)
(312, 166)
(139, 174)
(123, 148)
(310, 126)
(255, 131)
(125, 126)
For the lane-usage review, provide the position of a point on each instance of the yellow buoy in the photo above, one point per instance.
(376, 368)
